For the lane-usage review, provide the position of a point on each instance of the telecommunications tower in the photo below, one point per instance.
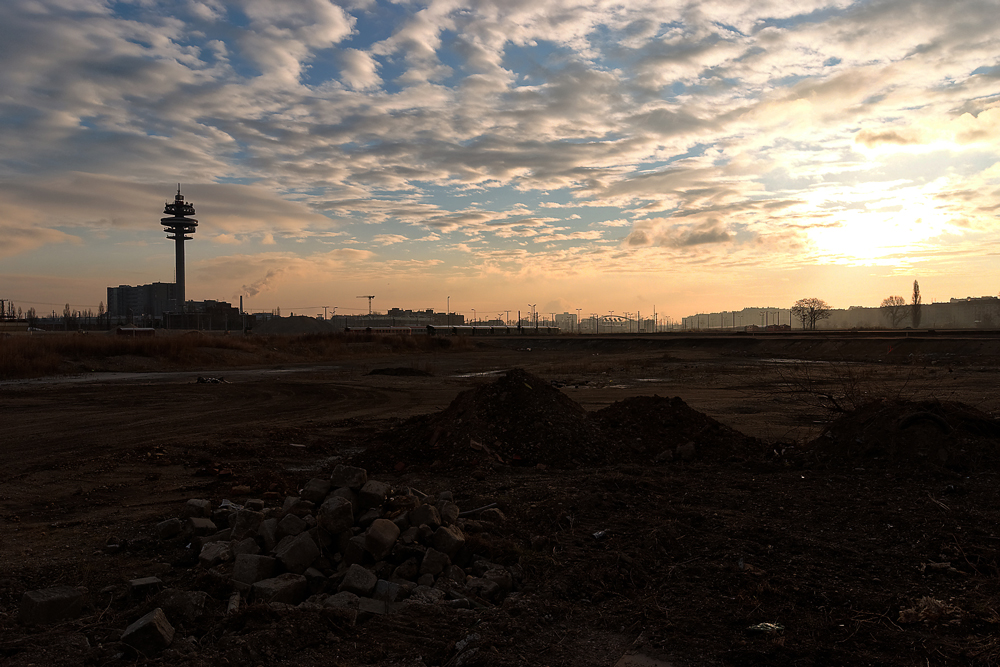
(176, 227)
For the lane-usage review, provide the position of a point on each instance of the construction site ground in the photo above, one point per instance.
(838, 504)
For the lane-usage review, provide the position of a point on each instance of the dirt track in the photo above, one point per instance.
(96, 461)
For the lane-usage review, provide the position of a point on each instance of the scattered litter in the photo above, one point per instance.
(204, 380)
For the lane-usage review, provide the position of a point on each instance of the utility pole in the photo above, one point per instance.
(579, 328)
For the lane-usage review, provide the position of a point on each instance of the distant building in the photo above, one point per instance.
(126, 301)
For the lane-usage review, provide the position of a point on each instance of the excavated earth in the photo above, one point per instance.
(676, 502)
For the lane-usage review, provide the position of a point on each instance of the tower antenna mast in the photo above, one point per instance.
(177, 226)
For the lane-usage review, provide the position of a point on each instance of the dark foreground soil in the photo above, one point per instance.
(704, 518)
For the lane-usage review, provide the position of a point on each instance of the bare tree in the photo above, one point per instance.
(894, 309)
(811, 310)
(915, 305)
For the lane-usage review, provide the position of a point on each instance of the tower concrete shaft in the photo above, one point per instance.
(177, 226)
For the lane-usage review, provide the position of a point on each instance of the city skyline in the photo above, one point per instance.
(677, 155)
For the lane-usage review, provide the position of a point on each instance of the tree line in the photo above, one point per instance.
(894, 309)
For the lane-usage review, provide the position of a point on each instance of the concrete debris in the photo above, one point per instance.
(347, 543)
(150, 634)
(49, 605)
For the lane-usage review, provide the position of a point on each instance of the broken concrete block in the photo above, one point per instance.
(409, 569)
(255, 505)
(425, 515)
(268, 532)
(434, 562)
(369, 607)
(183, 606)
(214, 553)
(317, 580)
(250, 568)
(346, 494)
(455, 573)
(292, 525)
(448, 512)
(49, 605)
(349, 476)
(448, 539)
(150, 634)
(168, 529)
(354, 550)
(316, 490)
(196, 507)
(244, 546)
(140, 589)
(493, 515)
(483, 588)
(335, 515)
(425, 595)
(287, 588)
(222, 536)
(368, 517)
(502, 578)
(387, 591)
(380, 538)
(297, 553)
(201, 526)
(373, 494)
(247, 524)
(358, 580)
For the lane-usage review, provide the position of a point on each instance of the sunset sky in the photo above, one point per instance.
(687, 156)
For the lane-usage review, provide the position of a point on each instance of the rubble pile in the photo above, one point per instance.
(939, 433)
(652, 428)
(347, 544)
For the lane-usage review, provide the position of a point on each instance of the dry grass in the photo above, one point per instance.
(54, 354)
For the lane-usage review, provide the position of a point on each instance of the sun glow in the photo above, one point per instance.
(880, 227)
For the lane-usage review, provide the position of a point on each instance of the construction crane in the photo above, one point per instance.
(369, 297)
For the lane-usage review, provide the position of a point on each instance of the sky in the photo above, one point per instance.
(631, 156)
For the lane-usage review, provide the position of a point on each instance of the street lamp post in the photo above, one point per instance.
(473, 317)
(532, 306)
(449, 311)
(579, 329)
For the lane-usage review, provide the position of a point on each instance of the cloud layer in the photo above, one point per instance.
(509, 142)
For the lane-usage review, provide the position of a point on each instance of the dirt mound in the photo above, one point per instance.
(523, 420)
(401, 372)
(658, 429)
(941, 433)
(519, 420)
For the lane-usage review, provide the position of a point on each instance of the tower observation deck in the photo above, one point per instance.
(177, 226)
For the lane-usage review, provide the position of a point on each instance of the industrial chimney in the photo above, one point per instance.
(176, 227)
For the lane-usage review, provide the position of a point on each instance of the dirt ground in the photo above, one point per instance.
(685, 502)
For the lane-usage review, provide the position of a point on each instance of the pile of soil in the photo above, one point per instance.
(520, 419)
(938, 433)
(653, 428)
(523, 420)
